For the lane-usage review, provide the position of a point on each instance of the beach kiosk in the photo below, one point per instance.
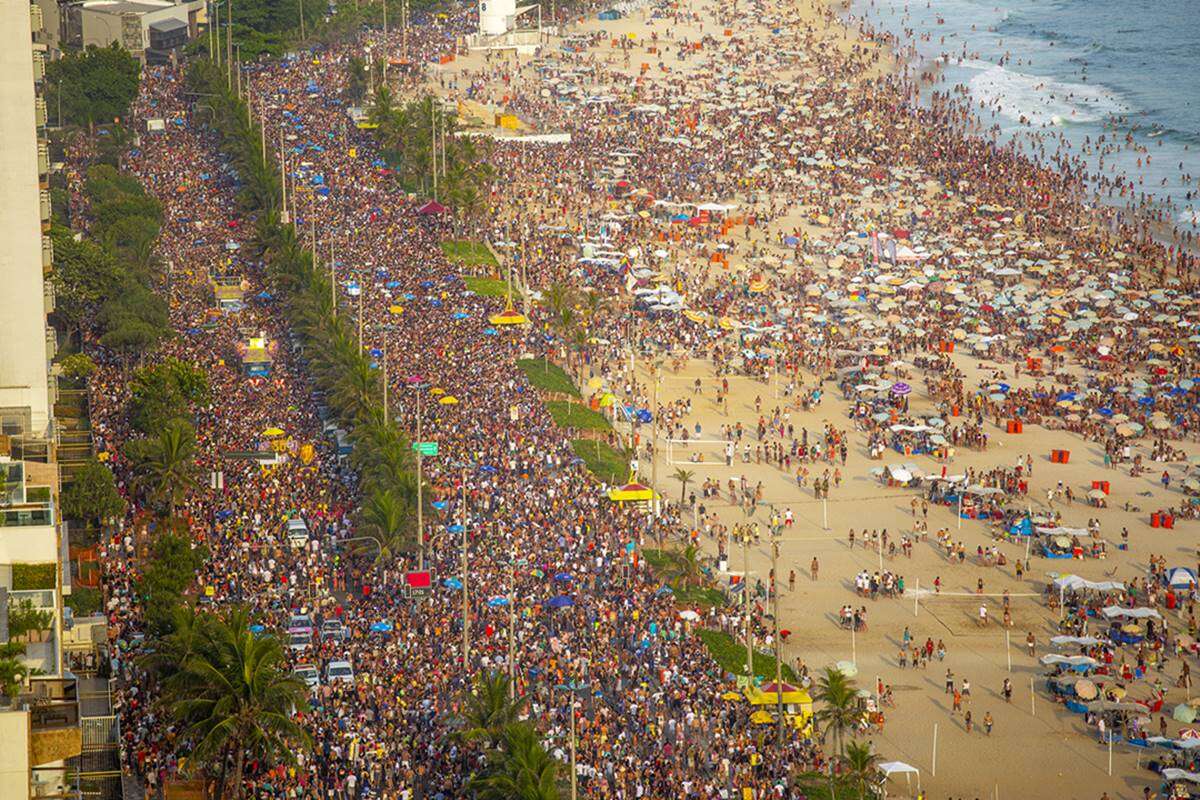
(256, 355)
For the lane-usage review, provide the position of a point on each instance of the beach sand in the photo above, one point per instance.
(1037, 750)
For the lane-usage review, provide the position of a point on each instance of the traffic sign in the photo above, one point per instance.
(426, 448)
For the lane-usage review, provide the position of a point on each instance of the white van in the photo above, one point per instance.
(297, 532)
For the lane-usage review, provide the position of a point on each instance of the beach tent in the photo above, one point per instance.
(1172, 774)
(1181, 577)
(1113, 612)
(431, 208)
(890, 768)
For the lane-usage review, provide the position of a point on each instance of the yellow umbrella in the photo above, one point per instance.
(761, 717)
(631, 492)
(396, 309)
(731, 696)
(607, 399)
(273, 432)
(509, 316)
(437, 390)
(448, 400)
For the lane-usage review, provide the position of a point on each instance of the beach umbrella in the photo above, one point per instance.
(847, 668)
(1184, 713)
(900, 389)
(381, 627)
(563, 577)
(452, 583)
(689, 615)
(561, 601)
(496, 602)
(1085, 689)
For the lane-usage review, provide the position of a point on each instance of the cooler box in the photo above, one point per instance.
(1101, 485)
(1155, 520)
(1060, 456)
(1015, 426)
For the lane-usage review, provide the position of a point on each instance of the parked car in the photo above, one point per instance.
(334, 630)
(339, 672)
(309, 674)
(300, 641)
(297, 532)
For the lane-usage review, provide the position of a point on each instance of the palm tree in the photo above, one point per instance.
(684, 476)
(520, 769)
(684, 568)
(356, 390)
(839, 712)
(166, 470)
(862, 769)
(490, 708)
(385, 518)
(234, 697)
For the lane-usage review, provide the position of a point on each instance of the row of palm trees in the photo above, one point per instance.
(336, 363)
(232, 695)
(837, 717)
(518, 765)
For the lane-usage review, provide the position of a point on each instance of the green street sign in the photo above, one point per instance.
(426, 448)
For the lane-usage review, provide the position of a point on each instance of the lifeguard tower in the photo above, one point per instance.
(503, 25)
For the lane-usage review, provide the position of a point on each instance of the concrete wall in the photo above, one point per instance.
(23, 364)
(14, 755)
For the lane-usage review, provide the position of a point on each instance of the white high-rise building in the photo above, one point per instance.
(26, 343)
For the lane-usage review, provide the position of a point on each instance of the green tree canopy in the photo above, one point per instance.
(92, 494)
(169, 572)
(164, 392)
(93, 86)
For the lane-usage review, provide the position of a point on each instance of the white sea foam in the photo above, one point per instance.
(1043, 101)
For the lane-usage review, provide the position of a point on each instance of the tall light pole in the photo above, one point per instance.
(414, 382)
(746, 598)
(778, 645)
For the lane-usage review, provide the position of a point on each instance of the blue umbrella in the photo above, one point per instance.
(1145, 401)
(375, 352)
(665, 590)
(460, 315)
(561, 601)
(426, 284)
(452, 583)
(1104, 412)
(381, 627)
(489, 331)
(496, 602)
(433, 301)
(564, 577)
(487, 468)
(1066, 396)
(392, 284)
(455, 528)
(256, 628)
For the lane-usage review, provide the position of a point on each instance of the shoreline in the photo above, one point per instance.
(1168, 231)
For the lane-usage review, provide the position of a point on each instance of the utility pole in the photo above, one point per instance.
(262, 126)
(283, 216)
(778, 645)
(332, 278)
(229, 44)
(746, 599)
(302, 19)
(433, 145)
(574, 777)
(238, 65)
(361, 292)
(654, 503)
(420, 503)
(466, 619)
(385, 380)
(512, 620)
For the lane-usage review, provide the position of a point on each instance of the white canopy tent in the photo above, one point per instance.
(890, 768)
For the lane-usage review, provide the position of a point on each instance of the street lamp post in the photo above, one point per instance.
(416, 383)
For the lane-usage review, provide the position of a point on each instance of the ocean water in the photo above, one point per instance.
(1075, 70)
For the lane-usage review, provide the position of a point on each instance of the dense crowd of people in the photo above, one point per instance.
(615, 652)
